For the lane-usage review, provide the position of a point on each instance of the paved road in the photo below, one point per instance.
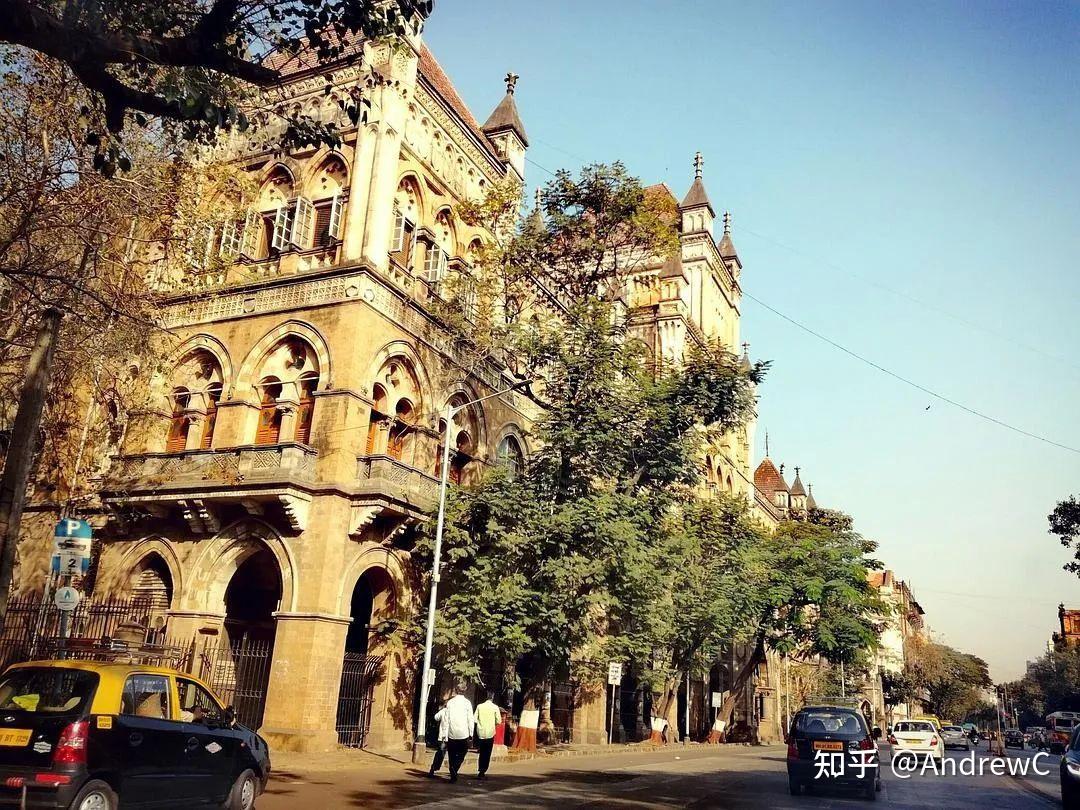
(739, 778)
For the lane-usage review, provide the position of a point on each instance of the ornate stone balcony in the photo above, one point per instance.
(200, 483)
(391, 489)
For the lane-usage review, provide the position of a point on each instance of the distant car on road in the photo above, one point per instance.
(818, 731)
(917, 738)
(1014, 738)
(1070, 773)
(954, 737)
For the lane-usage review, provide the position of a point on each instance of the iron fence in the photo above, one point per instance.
(239, 673)
(359, 674)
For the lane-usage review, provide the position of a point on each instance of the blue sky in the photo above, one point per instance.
(904, 179)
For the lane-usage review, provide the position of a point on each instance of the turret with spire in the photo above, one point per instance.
(726, 247)
(696, 210)
(505, 130)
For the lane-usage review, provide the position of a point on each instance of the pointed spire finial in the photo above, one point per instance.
(766, 444)
(797, 471)
(536, 198)
(511, 82)
(746, 348)
(699, 161)
(727, 222)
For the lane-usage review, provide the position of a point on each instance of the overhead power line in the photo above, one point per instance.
(910, 382)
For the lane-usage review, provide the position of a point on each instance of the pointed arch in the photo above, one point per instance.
(245, 378)
(161, 547)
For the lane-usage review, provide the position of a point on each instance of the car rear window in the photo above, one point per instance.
(829, 721)
(47, 690)
(912, 725)
(952, 728)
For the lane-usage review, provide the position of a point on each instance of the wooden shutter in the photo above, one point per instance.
(372, 432)
(396, 443)
(302, 220)
(231, 234)
(207, 438)
(304, 411)
(176, 442)
(269, 429)
(322, 225)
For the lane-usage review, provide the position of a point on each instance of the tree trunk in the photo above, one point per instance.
(737, 686)
(20, 456)
(668, 710)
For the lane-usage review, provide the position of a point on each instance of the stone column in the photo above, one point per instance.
(379, 219)
(359, 192)
(236, 420)
(196, 424)
(305, 677)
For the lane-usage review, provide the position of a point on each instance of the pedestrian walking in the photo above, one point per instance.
(443, 719)
(487, 717)
(459, 729)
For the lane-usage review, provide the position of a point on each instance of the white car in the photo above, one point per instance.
(917, 738)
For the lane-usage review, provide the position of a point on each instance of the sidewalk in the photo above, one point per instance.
(290, 764)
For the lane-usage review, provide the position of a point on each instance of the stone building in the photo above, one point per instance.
(269, 492)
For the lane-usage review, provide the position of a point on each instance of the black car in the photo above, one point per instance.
(1014, 738)
(1070, 773)
(836, 734)
(88, 735)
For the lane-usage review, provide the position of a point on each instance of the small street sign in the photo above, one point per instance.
(67, 598)
(717, 699)
(431, 676)
(71, 547)
(614, 673)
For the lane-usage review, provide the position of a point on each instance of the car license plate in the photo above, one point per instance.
(828, 746)
(14, 736)
(909, 741)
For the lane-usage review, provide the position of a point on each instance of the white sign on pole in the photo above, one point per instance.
(614, 673)
(431, 676)
(717, 699)
(67, 598)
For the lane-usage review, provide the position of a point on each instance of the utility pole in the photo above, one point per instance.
(20, 456)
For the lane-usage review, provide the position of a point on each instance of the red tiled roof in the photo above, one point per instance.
(768, 479)
(432, 71)
(429, 68)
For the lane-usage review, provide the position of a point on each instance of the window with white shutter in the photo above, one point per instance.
(333, 230)
(434, 264)
(303, 217)
(282, 226)
(397, 244)
(200, 246)
(231, 236)
(249, 239)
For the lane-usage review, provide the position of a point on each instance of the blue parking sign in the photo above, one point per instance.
(73, 527)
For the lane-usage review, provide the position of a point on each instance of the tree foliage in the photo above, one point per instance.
(946, 681)
(1065, 523)
(193, 66)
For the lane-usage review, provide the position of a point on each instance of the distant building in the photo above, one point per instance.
(904, 621)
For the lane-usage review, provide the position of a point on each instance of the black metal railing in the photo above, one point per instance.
(359, 674)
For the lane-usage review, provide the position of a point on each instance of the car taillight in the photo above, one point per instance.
(792, 750)
(866, 744)
(933, 741)
(71, 749)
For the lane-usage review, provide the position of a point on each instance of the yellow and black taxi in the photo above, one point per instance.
(90, 735)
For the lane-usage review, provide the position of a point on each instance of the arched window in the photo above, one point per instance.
(176, 441)
(196, 389)
(407, 213)
(269, 427)
(396, 406)
(510, 455)
(290, 373)
(440, 248)
(464, 440)
(328, 198)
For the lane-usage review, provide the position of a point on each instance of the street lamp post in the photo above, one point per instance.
(420, 744)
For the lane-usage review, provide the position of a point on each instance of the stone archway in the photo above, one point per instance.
(252, 597)
(373, 603)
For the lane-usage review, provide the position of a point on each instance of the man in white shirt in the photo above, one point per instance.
(459, 729)
(488, 716)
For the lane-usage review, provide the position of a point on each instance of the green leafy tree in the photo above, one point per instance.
(597, 545)
(947, 682)
(812, 597)
(1065, 523)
